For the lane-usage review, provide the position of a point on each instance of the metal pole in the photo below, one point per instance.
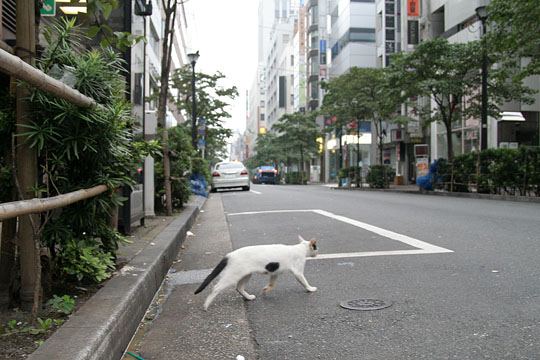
(483, 135)
(193, 108)
(358, 153)
(144, 116)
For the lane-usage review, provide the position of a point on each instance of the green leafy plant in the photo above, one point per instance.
(82, 147)
(64, 304)
(380, 176)
(183, 163)
(85, 262)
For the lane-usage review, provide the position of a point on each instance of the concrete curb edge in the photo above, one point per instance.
(103, 327)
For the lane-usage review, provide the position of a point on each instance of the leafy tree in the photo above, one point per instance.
(99, 12)
(268, 150)
(450, 75)
(361, 94)
(213, 100)
(297, 133)
(514, 33)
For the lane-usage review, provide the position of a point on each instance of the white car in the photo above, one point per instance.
(229, 175)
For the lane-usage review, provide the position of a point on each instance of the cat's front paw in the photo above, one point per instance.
(311, 289)
(249, 297)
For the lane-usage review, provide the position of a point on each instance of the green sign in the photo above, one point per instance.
(48, 8)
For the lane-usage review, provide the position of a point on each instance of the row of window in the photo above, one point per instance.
(353, 35)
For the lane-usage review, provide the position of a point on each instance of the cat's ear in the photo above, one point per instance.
(301, 239)
(313, 244)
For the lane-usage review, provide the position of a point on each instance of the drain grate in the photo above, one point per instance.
(365, 304)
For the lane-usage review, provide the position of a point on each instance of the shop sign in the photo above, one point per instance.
(422, 166)
(413, 7)
(48, 8)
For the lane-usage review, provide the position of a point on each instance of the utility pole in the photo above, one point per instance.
(26, 163)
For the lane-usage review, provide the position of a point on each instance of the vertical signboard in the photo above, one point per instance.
(413, 7)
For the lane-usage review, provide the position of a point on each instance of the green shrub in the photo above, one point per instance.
(79, 148)
(181, 155)
(85, 262)
(493, 171)
(64, 305)
(296, 177)
(351, 172)
(380, 176)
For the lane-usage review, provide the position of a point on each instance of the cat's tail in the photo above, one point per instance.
(218, 269)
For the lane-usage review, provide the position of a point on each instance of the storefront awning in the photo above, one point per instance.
(511, 116)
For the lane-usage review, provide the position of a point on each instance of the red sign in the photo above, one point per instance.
(413, 7)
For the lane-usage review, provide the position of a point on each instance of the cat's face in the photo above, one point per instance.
(313, 249)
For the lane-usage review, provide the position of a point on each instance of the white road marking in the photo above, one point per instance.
(422, 246)
(255, 192)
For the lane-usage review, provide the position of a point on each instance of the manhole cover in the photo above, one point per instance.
(365, 304)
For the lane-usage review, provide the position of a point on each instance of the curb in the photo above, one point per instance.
(528, 199)
(105, 324)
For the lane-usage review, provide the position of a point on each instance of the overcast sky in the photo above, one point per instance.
(225, 33)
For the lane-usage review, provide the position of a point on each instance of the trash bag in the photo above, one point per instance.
(198, 185)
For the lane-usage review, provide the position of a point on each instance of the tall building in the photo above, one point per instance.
(273, 87)
(352, 43)
(145, 76)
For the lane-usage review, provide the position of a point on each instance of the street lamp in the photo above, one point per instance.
(193, 57)
(482, 14)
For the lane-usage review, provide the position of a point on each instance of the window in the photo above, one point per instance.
(282, 91)
(390, 23)
(154, 39)
(362, 35)
(154, 90)
(314, 45)
(390, 9)
(390, 47)
(137, 90)
(292, 60)
(314, 90)
(313, 15)
(390, 34)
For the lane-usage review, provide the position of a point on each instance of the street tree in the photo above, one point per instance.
(213, 101)
(297, 133)
(268, 150)
(362, 94)
(450, 75)
(170, 9)
(514, 34)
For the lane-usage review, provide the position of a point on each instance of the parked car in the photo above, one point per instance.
(265, 175)
(229, 175)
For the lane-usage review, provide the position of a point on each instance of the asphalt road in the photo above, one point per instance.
(462, 274)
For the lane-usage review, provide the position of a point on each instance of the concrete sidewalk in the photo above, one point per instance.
(103, 327)
(415, 189)
(176, 326)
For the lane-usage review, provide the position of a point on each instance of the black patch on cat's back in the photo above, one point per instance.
(271, 267)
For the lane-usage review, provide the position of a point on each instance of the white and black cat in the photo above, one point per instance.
(237, 266)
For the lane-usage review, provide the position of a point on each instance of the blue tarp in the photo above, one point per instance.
(198, 185)
(426, 182)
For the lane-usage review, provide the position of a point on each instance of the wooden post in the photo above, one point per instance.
(26, 159)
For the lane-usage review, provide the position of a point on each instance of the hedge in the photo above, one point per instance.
(493, 171)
